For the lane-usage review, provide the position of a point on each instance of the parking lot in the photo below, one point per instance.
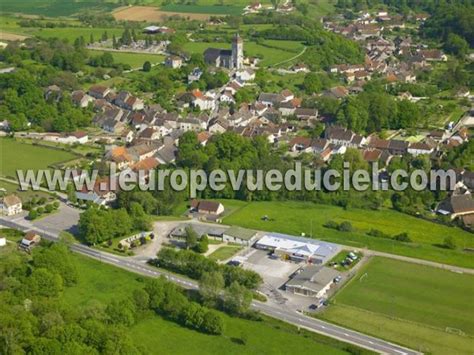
(275, 272)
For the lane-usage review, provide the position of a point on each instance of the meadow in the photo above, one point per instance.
(295, 218)
(19, 156)
(101, 282)
(425, 308)
(11, 188)
(271, 52)
(55, 8)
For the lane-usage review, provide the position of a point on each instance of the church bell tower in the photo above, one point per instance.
(237, 52)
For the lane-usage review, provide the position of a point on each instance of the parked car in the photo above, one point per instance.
(337, 279)
(313, 306)
(233, 263)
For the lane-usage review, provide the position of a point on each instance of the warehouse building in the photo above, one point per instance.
(298, 249)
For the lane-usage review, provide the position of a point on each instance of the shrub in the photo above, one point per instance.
(377, 233)
(402, 237)
(449, 242)
(40, 210)
(33, 214)
(49, 208)
(331, 224)
(345, 227)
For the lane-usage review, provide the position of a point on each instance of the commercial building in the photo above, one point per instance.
(298, 249)
(312, 281)
(240, 235)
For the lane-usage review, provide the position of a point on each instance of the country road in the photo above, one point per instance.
(300, 320)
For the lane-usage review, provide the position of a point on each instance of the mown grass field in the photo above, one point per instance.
(418, 306)
(19, 156)
(135, 60)
(24, 195)
(305, 217)
(271, 52)
(101, 283)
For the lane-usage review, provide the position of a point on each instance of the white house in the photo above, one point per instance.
(416, 149)
(10, 205)
(245, 75)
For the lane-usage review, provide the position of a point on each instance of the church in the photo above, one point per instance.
(227, 58)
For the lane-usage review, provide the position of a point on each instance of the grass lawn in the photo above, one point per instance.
(16, 155)
(271, 52)
(415, 305)
(135, 60)
(294, 218)
(24, 195)
(225, 252)
(340, 257)
(102, 282)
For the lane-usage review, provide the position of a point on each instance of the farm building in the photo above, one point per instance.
(312, 281)
(240, 235)
(298, 249)
(207, 207)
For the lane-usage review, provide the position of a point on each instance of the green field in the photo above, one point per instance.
(24, 195)
(225, 252)
(271, 52)
(299, 217)
(100, 283)
(55, 8)
(19, 156)
(204, 9)
(135, 60)
(418, 306)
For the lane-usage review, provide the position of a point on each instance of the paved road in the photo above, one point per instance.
(300, 320)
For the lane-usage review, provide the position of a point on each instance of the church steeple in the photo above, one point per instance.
(237, 52)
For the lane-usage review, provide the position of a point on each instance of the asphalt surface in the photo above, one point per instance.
(300, 320)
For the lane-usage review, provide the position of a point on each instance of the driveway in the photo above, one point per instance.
(65, 219)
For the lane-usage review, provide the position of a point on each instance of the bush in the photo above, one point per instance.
(378, 234)
(49, 208)
(331, 224)
(449, 242)
(402, 237)
(56, 205)
(33, 214)
(40, 210)
(345, 227)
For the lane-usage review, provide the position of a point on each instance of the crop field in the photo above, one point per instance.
(55, 8)
(425, 308)
(18, 156)
(305, 217)
(154, 14)
(100, 283)
(271, 51)
(135, 60)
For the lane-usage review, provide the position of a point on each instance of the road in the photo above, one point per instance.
(300, 320)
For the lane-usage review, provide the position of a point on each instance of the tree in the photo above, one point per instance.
(402, 237)
(237, 299)
(449, 242)
(146, 66)
(33, 214)
(71, 193)
(212, 323)
(203, 245)
(191, 238)
(45, 283)
(210, 286)
(456, 45)
(91, 40)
